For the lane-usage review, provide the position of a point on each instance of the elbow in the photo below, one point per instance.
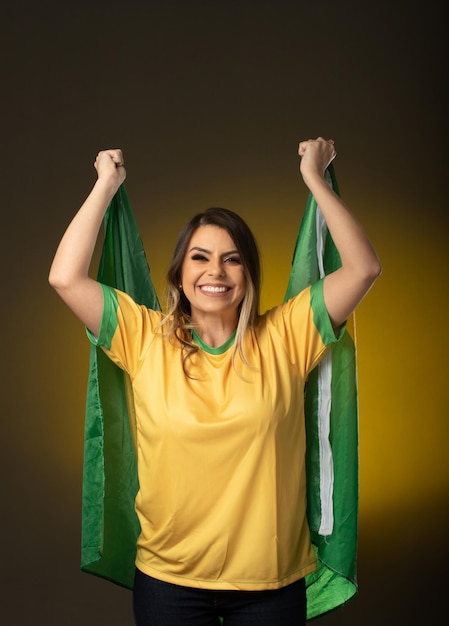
(59, 281)
(372, 271)
(55, 279)
(375, 269)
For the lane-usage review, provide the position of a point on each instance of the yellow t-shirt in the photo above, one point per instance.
(221, 457)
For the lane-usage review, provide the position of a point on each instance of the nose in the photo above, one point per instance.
(216, 267)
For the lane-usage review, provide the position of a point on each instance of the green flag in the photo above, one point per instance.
(109, 523)
(110, 526)
(331, 412)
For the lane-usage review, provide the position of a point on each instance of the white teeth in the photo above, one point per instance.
(214, 289)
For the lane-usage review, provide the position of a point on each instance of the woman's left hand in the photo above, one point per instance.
(316, 154)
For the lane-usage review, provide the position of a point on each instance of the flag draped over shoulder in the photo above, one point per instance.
(331, 413)
(109, 523)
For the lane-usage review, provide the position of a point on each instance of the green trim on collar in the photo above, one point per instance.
(220, 349)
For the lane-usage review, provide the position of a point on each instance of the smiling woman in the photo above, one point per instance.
(218, 248)
(213, 281)
(219, 404)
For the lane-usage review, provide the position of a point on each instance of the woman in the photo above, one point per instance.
(218, 392)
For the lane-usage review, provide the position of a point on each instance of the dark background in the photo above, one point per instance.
(208, 100)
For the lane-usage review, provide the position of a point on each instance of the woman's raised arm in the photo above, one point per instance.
(347, 286)
(69, 273)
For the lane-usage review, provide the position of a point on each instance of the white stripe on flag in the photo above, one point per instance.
(324, 404)
(326, 461)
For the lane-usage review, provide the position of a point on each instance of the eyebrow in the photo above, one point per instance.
(209, 252)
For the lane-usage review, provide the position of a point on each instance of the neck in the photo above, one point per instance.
(215, 331)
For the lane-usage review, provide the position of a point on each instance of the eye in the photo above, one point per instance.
(233, 259)
(198, 257)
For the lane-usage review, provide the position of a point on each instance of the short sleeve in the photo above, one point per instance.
(108, 320)
(303, 327)
(321, 316)
(127, 329)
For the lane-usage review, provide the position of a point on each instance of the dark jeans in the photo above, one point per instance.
(158, 603)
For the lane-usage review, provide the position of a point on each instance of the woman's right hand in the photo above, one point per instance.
(110, 166)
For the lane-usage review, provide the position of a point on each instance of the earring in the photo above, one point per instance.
(180, 287)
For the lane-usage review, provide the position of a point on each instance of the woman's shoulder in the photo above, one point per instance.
(128, 306)
(300, 300)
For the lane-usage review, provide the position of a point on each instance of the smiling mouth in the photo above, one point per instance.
(212, 289)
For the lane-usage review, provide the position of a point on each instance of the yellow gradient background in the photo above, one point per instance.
(208, 101)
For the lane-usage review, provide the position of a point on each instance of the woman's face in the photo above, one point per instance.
(213, 279)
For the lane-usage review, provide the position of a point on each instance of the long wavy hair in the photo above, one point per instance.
(177, 322)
